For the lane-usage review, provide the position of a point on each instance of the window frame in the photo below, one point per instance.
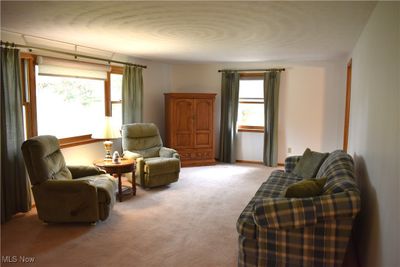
(31, 108)
(251, 128)
(29, 101)
(107, 89)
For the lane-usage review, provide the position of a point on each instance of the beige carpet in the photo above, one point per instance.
(189, 223)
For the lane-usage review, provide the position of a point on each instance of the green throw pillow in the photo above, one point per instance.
(309, 163)
(306, 188)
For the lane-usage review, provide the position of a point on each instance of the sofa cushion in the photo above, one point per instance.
(276, 183)
(309, 163)
(305, 188)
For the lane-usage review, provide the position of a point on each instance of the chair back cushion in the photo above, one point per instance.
(44, 160)
(142, 138)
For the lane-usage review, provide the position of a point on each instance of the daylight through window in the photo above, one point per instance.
(251, 104)
(67, 106)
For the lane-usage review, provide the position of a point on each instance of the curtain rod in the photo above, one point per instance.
(70, 54)
(279, 69)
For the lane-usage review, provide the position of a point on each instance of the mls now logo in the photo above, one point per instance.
(25, 259)
(15, 259)
(9, 259)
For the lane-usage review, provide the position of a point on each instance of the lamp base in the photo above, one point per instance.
(108, 148)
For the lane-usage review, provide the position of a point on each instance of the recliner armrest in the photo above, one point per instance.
(139, 164)
(82, 171)
(67, 186)
(131, 155)
(166, 152)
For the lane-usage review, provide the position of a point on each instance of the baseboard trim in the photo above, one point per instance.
(256, 162)
(249, 161)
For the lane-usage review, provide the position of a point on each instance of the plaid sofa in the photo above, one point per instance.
(278, 231)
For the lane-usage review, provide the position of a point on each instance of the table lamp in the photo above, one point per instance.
(107, 130)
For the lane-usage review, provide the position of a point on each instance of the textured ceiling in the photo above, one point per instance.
(197, 31)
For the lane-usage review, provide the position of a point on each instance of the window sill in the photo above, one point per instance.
(77, 141)
(252, 129)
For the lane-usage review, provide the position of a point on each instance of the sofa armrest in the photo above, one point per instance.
(285, 213)
(290, 163)
(82, 171)
(166, 152)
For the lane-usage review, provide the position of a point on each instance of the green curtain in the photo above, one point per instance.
(15, 192)
(132, 95)
(271, 107)
(229, 114)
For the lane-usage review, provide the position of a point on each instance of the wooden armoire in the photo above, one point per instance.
(189, 123)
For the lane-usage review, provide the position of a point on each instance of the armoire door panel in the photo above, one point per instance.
(203, 140)
(182, 134)
(183, 140)
(203, 114)
(184, 115)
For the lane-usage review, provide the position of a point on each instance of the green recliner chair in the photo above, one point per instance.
(155, 165)
(66, 193)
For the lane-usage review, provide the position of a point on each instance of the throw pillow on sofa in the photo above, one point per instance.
(309, 163)
(305, 188)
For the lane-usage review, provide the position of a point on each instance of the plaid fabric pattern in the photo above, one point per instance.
(286, 213)
(277, 231)
(272, 188)
(338, 168)
(290, 163)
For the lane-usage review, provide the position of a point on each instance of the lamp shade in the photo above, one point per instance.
(107, 130)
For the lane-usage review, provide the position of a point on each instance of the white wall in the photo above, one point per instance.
(249, 146)
(312, 97)
(374, 136)
(84, 154)
(156, 81)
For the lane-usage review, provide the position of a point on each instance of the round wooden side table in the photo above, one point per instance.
(126, 165)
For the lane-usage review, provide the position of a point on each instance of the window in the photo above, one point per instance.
(251, 103)
(68, 107)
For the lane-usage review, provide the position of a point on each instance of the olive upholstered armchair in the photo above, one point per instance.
(66, 193)
(155, 165)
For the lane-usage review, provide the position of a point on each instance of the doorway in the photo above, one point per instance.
(347, 109)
